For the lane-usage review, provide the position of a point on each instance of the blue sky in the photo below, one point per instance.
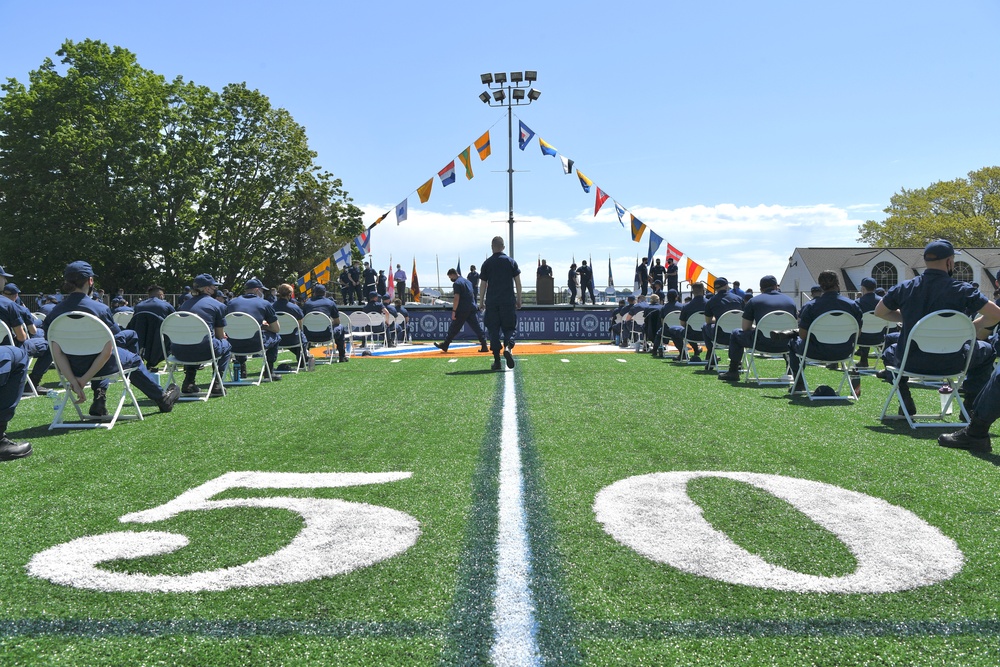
(737, 131)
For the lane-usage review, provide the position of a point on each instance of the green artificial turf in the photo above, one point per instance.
(585, 423)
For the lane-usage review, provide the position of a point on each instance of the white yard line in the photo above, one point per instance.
(514, 625)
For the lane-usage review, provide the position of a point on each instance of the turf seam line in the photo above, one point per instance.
(97, 628)
(514, 625)
(722, 628)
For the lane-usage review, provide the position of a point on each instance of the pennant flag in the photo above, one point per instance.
(424, 191)
(483, 146)
(567, 164)
(391, 284)
(466, 162)
(710, 285)
(655, 241)
(638, 227)
(447, 176)
(401, 208)
(322, 271)
(693, 271)
(599, 201)
(584, 181)
(547, 148)
(620, 211)
(414, 284)
(342, 257)
(363, 242)
(524, 135)
(458, 267)
(611, 278)
(383, 217)
(674, 253)
(635, 281)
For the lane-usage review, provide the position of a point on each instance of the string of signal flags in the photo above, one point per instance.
(447, 176)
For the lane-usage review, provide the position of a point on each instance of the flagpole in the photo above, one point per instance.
(438, 265)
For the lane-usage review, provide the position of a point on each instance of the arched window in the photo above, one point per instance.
(963, 272)
(885, 275)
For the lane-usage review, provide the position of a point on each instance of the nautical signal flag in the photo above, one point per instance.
(343, 256)
(710, 283)
(483, 146)
(303, 282)
(567, 164)
(585, 182)
(322, 271)
(621, 212)
(466, 161)
(599, 200)
(381, 218)
(673, 253)
(655, 241)
(424, 191)
(414, 283)
(693, 271)
(611, 278)
(547, 148)
(524, 135)
(447, 175)
(401, 210)
(363, 242)
(638, 227)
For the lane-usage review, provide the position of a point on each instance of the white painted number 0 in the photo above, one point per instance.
(895, 550)
(338, 537)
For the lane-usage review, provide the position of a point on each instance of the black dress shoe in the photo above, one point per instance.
(441, 346)
(496, 365)
(962, 440)
(509, 357)
(99, 408)
(484, 348)
(170, 396)
(10, 450)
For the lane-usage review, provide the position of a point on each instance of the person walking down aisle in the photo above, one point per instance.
(499, 278)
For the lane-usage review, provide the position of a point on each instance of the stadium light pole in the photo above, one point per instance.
(513, 92)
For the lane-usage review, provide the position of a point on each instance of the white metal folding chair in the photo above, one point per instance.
(184, 328)
(693, 334)
(401, 324)
(243, 327)
(123, 318)
(82, 334)
(777, 320)
(671, 319)
(636, 334)
(361, 327)
(39, 316)
(831, 328)
(288, 325)
(873, 328)
(724, 325)
(7, 338)
(944, 332)
(321, 327)
(380, 332)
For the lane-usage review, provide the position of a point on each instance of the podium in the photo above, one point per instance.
(544, 291)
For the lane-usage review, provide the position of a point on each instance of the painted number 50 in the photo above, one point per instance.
(338, 537)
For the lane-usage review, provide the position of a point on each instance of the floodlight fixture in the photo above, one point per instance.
(486, 78)
(534, 94)
(500, 77)
(530, 75)
(516, 77)
(498, 95)
(485, 97)
(518, 93)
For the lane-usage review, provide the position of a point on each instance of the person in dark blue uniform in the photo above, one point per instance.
(323, 304)
(374, 305)
(354, 274)
(500, 276)
(48, 302)
(616, 322)
(13, 372)
(586, 282)
(642, 276)
(146, 319)
(120, 305)
(571, 283)
(721, 302)
(381, 283)
(79, 282)
(395, 330)
(34, 342)
(829, 301)
(204, 304)
(696, 304)
(253, 304)
(284, 303)
(936, 289)
(768, 301)
(671, 274)
(658, 272)
(346, 289)
(464, 310)
(369, 279)
(473, 277)
(867, 302)
(651, 324)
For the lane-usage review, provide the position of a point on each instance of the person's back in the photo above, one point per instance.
(254, 306)
(207, 308)
(156, 306)
(322, 304)
(768, 302)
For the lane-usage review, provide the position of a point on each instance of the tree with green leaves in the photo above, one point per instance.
(966, 211)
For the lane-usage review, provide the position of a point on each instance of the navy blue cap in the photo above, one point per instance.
(940, 249)
(78, 269)
(373, 293)
(815, 288)
(11, 288)
(768, 281)
(869, 283)
(3, 272)
(254, 283)
(319, 289)
(672, 292)
(720, 282)
(205, 280)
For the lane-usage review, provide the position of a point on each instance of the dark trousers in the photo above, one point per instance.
(338, 339)
(141, 378)
(243, 347)
(13, 372)
(461, 319)
(572, 294)
(501, 321)
(694, 337)
(740, 340)
(223, 353)
(980, 367)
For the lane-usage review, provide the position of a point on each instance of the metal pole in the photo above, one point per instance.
(510, 174)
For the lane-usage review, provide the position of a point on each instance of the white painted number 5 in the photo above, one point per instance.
(338, 537)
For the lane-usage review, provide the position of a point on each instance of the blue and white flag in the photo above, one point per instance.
(524, 135)
(655, 241)
(448, 174)
(364, 242)
(620, 211)
(342, 257)
(401, 211)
